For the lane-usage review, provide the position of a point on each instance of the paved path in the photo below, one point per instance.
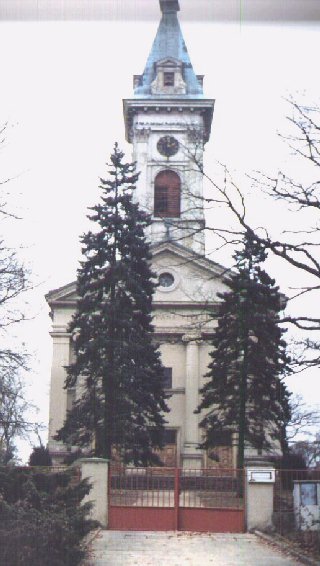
(114, 548)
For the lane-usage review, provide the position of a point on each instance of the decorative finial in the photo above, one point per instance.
(168, 6)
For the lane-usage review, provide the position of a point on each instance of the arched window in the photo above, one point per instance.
(167, 189)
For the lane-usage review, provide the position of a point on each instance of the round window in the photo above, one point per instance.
(166, 280)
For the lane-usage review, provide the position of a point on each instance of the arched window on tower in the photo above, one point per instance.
(167, 192)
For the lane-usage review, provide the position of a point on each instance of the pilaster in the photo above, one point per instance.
(58, 395)
(191, 455)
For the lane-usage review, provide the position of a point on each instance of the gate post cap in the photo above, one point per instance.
(92, 461)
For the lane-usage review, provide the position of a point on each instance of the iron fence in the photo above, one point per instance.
(167, 487)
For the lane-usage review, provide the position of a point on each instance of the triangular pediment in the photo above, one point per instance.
(189, 279)
(198, 278)
(169, 62)
(66, 294)
(187, 255)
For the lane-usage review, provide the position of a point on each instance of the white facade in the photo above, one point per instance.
(183, 327)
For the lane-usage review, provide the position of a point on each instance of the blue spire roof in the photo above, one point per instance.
(169, 44)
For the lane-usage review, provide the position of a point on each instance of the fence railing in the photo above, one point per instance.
(167, 487)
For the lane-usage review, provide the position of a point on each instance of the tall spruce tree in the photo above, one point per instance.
(245, 393)
(117, 365)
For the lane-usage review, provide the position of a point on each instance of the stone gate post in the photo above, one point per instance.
(96, 470)
(260, 481)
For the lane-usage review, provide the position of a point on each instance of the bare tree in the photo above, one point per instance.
(299, 247)
(304, 420)
(13, 407)
(14, 282)
(309, 450)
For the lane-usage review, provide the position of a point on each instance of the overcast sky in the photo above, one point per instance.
(62, 85)
(193, 10)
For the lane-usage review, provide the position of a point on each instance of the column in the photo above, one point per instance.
(191, 455)
(58, 395)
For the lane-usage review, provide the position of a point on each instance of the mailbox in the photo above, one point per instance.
(261, 475)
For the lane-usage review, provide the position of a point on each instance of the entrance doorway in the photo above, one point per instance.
(168, 454)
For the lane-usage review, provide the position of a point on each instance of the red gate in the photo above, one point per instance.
(163, 499)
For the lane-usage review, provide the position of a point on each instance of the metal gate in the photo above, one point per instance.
(162, 499)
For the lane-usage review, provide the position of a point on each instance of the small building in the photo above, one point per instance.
(306, 499)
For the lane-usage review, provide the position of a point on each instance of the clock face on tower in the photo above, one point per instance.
(168, 146)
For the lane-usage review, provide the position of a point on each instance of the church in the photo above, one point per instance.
(168, 122)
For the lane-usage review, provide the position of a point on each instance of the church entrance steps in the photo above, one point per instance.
(205, 500)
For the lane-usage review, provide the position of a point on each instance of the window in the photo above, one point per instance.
(222, 438)
(167, 378)
(168, 79)
(71, 397)
(308, 493)
(161, 203)
(169, 436)
(166, 280)
(167, 187)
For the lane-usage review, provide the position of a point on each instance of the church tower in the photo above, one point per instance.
(168, 121)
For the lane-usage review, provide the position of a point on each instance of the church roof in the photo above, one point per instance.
(169, 44)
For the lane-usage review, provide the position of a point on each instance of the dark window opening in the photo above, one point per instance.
(169, 436)
(167, 378)
(222, 438)
(167, 188)
(166, 280)
(168, 79)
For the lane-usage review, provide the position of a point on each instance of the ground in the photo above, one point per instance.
(115, 548)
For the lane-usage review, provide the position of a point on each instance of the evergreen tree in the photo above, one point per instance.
(245, 393)
(117, 365)
(40, 456)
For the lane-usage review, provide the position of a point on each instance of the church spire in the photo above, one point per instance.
(168, 71)
(169, 6)
(167, 120)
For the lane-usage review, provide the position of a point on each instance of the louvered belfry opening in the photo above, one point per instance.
(167, 192)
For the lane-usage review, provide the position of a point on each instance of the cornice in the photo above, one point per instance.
(159, 305)
(63, 302)
(131, 106)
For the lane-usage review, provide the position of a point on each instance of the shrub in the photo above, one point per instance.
(42, 520)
